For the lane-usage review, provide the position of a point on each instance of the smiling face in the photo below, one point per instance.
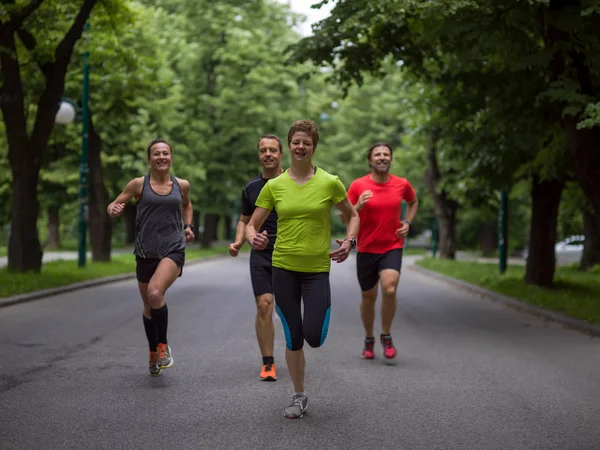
(160, 157)
(301, 146)
(380, 159)
(269, 153)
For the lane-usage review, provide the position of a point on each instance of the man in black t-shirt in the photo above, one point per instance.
(270, 152)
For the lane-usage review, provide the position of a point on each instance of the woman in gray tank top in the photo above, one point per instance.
(163, 225)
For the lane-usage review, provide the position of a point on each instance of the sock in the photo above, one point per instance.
(385, 336)
(150, 333)
(372, 338)
(300, 393)
(268, 360)
(160, 317)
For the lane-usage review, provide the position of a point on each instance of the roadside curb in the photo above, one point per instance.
(538, 311)
(37, 295)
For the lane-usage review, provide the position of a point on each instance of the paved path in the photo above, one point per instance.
(471, 374)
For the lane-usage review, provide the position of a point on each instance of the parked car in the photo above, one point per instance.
(567, 251)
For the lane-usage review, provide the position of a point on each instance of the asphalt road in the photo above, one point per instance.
(470, 374)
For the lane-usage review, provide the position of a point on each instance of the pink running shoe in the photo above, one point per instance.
(368, 351)
(389, 351)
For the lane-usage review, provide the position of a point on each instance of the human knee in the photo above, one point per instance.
(264, 305)
(389, 289)
(155, 296)
(315, 340)
(369, 297)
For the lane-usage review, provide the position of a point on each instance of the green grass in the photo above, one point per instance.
(575, 293)
(416, 251)
(62, 273)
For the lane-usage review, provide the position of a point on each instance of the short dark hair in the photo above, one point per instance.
(378, 144)
(157, 141)
(305, 126)
(270, 136)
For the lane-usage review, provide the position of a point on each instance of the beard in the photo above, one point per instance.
(380, 168)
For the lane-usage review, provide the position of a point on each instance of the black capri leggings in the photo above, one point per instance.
(289, 289)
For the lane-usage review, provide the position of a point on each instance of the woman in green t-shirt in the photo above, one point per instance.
(303, 197)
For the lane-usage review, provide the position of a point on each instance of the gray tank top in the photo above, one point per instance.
(158, 222)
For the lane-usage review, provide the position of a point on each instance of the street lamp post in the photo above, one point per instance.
(65, 115)
(83, 168)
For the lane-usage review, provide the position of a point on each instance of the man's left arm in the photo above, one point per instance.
(412, 209)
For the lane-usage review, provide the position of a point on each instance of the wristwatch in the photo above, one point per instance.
(352, 242)
(408, 222)
(188, 225)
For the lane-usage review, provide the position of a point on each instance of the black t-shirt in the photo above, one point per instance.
(249, 196)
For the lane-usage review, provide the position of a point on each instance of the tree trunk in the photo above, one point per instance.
(99, 222)
(444, 207)
(25, 151)
(211, 222)
(196, 223)
(228, 230)
(571, 64)
(586, 159)
(129, 218)
(488, 238)
(541, 260)
(591, 231)
(53, 241)
(24, 249)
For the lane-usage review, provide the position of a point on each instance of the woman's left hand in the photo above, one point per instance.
(341, 254)
(189, 235)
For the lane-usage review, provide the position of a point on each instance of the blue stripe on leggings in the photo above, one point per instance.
(286, 329)
(325, 325)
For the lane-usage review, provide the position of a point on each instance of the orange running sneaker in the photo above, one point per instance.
(152, 366)
(268, 373)
(165, 360)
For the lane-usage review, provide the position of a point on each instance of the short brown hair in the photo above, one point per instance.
(157, 141)
(305, 126)
(270, 136)
(378, 144)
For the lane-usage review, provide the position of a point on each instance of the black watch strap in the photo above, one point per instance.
(188, 225)
(352, 242)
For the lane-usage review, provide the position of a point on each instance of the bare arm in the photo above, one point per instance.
(132, 190)
(187, 210)
(412, 209)
(240, 231)
(350, 217)
(257, 240)
(411, 212)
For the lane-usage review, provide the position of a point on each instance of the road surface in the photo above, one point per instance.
(470, 374)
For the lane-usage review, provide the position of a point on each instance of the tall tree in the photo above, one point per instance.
(26, 146)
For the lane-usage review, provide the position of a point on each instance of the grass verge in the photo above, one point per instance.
(62, 273)
(575, 293)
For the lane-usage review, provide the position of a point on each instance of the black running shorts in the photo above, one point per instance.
(145, 267)
(261, 271)
(368, 266)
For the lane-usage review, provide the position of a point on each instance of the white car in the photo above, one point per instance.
(567, 251)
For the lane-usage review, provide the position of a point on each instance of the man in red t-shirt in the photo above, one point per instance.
(378, 199)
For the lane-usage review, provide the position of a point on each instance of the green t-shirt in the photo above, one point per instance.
(303, 219)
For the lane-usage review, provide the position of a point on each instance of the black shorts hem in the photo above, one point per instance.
(261, 272)
(369, 265)
(146, 267)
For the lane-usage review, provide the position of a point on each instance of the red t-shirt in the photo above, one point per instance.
(380, 216)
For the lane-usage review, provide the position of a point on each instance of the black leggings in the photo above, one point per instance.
(289, 289)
